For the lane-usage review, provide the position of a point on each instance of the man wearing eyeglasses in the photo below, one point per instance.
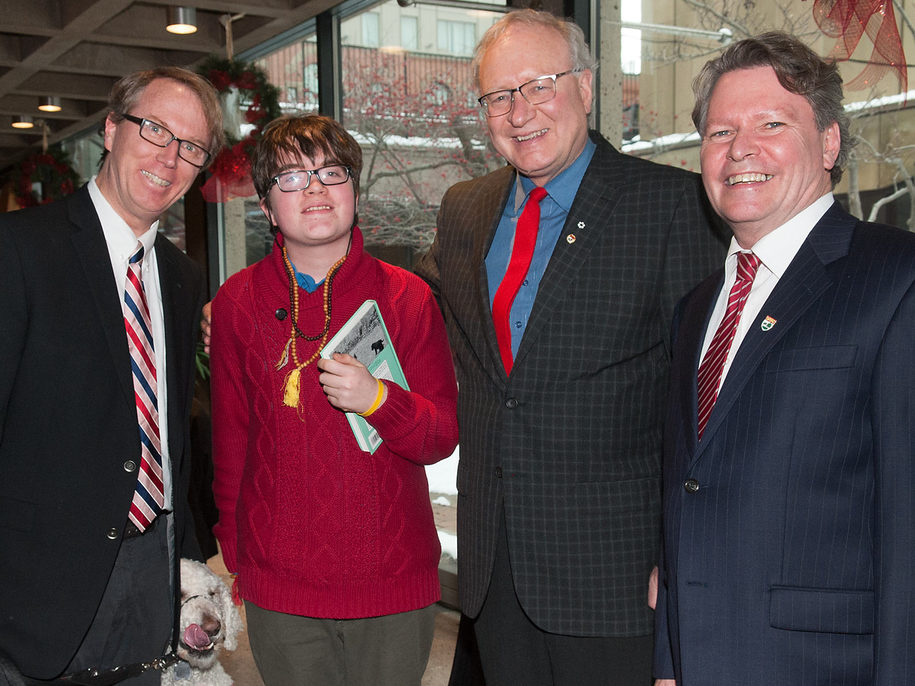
(97, 345)
(559, 327)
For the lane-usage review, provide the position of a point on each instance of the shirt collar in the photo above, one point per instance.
(563, 188)
(777, 249)
(117, 232)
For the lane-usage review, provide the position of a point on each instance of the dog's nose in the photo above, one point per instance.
(211, 625)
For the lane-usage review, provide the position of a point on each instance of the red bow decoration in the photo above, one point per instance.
(848, 20)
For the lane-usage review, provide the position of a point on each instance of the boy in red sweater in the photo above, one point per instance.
(335, 549)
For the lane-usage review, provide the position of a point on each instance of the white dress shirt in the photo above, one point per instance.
(122, 243)
(775, 251)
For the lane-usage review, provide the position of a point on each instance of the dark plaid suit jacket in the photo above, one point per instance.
(790, 558)
(570, 443)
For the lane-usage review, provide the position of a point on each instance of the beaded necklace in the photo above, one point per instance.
(291, 384)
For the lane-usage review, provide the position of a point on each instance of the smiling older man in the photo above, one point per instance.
(557, 276)
(789, 521)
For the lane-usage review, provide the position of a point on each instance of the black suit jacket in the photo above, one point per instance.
(571, 441)
(68, 422)
(790, 528)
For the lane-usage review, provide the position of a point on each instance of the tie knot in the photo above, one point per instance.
(538, 194)
(137, 257)
(747, 264)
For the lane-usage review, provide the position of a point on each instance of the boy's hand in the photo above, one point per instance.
(348, 384)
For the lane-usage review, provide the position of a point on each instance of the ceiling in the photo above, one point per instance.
(77, 49)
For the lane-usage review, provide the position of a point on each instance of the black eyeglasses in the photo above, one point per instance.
(160, 136)
(536, 92)
(300, 179)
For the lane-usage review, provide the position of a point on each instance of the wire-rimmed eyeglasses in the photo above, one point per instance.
(160, 136)
(536, 92)
(300, 179)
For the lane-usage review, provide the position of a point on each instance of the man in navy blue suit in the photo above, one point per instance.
(789, 486)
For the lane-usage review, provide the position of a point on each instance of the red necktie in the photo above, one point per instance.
(713, 362)
(149, 498)
(522, 252)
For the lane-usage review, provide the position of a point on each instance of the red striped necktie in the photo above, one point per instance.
(149, 497)
(717, 353)
(522, 253)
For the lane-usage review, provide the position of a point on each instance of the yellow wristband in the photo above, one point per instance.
(377, 403)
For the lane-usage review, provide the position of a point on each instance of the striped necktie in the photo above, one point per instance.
(149, 498)
(709, 379)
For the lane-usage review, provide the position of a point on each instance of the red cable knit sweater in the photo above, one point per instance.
(312, 525)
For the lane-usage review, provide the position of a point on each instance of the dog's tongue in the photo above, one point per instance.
(195, 637)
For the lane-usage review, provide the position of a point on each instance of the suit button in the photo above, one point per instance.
(130, 466)
(691, 485)
(498, 472)
(511, 403)
(113, 534)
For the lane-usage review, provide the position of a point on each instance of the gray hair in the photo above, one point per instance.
(579, 52)
(799, 70)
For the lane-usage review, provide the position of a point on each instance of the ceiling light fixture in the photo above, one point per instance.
(22, 122)
(182, 20)
(49, 103)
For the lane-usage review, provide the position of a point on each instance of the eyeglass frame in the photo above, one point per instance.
(143, 121)
(511, 91)
(311, 173)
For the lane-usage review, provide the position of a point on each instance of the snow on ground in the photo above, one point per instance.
(449, 543)
(442, 475)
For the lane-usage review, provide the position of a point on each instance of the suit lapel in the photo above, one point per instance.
(92, 251)
(691, 334)
(595, 201)
(484, 224)
(174, 297)
(806, 278)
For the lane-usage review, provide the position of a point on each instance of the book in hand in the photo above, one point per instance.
(366, 338)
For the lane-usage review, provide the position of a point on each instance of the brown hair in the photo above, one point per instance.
(127, 91)
(306, 135)
(799, 70)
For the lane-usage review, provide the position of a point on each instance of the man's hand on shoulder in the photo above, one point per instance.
(205, 326)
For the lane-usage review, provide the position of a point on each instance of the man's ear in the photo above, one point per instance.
(832, 141)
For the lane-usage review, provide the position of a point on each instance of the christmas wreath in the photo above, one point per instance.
(50, 169)
(241, 86)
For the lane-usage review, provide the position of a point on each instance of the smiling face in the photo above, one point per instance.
(542, 140)
(139, 179)
(763, 159)
(315, 222)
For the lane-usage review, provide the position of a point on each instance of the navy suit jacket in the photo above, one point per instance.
(789, 531)
(68, 422)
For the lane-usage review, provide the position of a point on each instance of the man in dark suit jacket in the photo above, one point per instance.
(789, 516)
(558, 480)
(81, 586)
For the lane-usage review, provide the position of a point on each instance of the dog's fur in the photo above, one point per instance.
(206, 606)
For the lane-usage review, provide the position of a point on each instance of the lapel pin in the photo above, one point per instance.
(767, 323)
(581, 225)
(570, 238)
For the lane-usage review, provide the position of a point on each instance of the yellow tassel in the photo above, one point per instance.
(284, 358)
(291, 397)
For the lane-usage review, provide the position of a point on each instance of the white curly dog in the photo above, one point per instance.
(209, 620)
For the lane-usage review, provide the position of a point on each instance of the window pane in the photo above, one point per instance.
(413, 109)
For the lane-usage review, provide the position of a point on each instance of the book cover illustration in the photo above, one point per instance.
(365, 337)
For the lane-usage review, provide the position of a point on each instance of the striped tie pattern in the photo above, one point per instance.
(520, 261)
(149, 498)
(717, 353)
